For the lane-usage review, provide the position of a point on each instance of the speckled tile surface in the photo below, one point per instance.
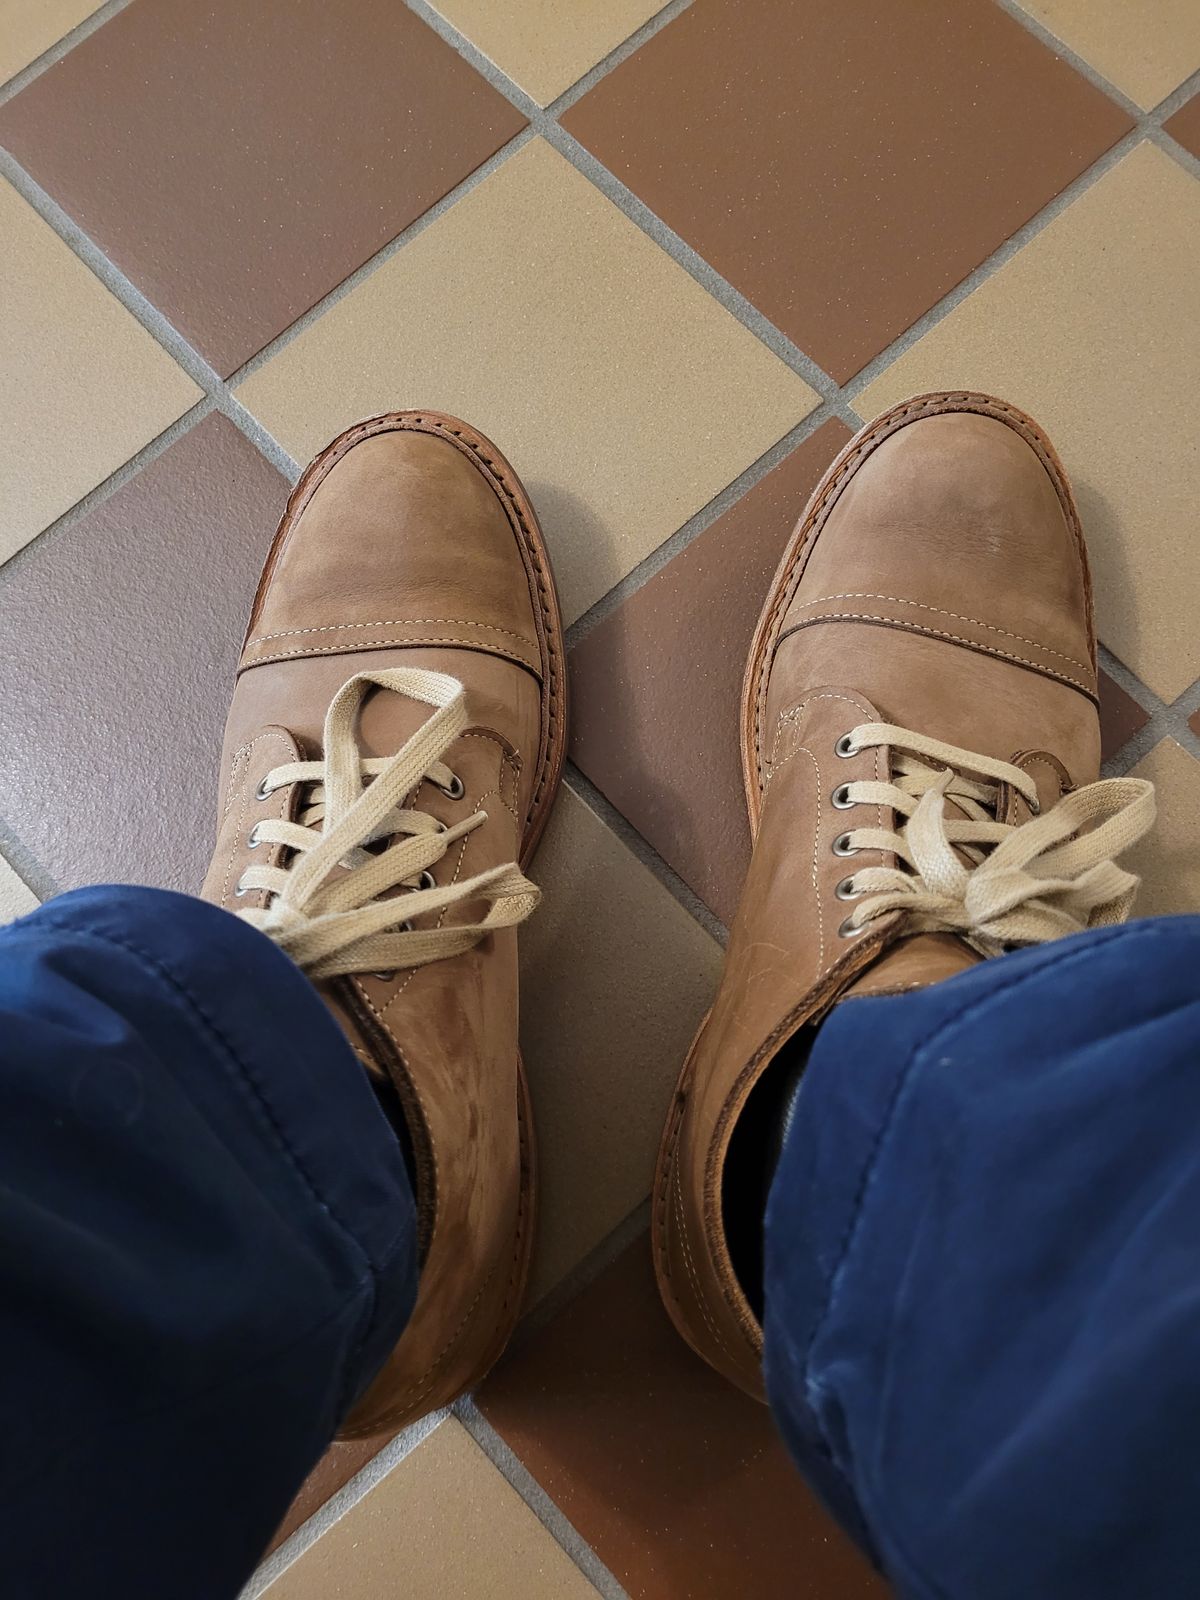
(668, 301)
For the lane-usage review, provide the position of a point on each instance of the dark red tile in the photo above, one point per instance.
(656, 685)
(844, 166)
(1120, 716)
(237, 161)
(1194, 723)
(675, 1478)
(1185, 125)
(122, 632)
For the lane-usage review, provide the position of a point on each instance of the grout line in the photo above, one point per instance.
(26, 865)
(61, 47)
(595, 799)
(1065, 53)
(547, 1511)
(695, 265)
(614, 58)
(373, 263)
(108, 486)
(614, 1244)
(1177, 152)
(164, 332)
(336, 1507)
(988, 268)
(666, 552)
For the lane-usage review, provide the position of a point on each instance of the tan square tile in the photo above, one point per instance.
(27, 27)
(623, 394)
(1168, 860)
(1145, 47)
(615, 978)
(542, 44)
(82, 385)
(1092, 328)
(444, 1522)
(15, 898)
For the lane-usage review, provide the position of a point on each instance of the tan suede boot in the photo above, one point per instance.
(393, 749)
(921, 746)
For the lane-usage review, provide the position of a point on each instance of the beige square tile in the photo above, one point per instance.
(1092, 327)
(82, 385)
(27, 27)
(444, 1522)
(15, 898)
(615, 978)
(1168, 860)
(1146, 47)
(623, 394)
(543, 45)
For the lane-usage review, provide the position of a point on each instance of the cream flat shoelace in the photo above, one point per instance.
(330, 907)
(1026, 883)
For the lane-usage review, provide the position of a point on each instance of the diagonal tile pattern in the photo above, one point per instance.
(676, 1480)
(623, 394)
(1145, 49)
(844, 166)
(29, 27)
(543, 46)
(1185, 125)
(652, 680)
(16, 898)
(414, 1529)
(1111, 374)
(82, 385)
(238, 161)
(612, 944)
(120, 602)
(765, 195)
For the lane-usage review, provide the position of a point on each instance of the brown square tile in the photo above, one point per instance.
(656, 685)
(1185, 125)
(1194, 723)
(675, 1478)
(844, 166)
(238, 161)
(127, 626)
(1120, 716)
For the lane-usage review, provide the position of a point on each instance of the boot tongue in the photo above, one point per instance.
(914, 964)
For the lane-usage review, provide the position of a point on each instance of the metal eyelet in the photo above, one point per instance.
(240, 889)
(456, 788)
(849, 931)
(846, 890)
(845, 746)
(385, 977)
(252, 839)
(840, 798)
(843, 847)
(263, 792)
(427, 881)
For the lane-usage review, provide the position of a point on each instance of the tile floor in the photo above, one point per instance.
(667, 257)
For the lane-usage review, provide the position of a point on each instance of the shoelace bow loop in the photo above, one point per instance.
(331, 906)
(996, 884)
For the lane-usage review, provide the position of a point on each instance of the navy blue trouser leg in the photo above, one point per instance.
(208, 1241)
(983, 1274)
